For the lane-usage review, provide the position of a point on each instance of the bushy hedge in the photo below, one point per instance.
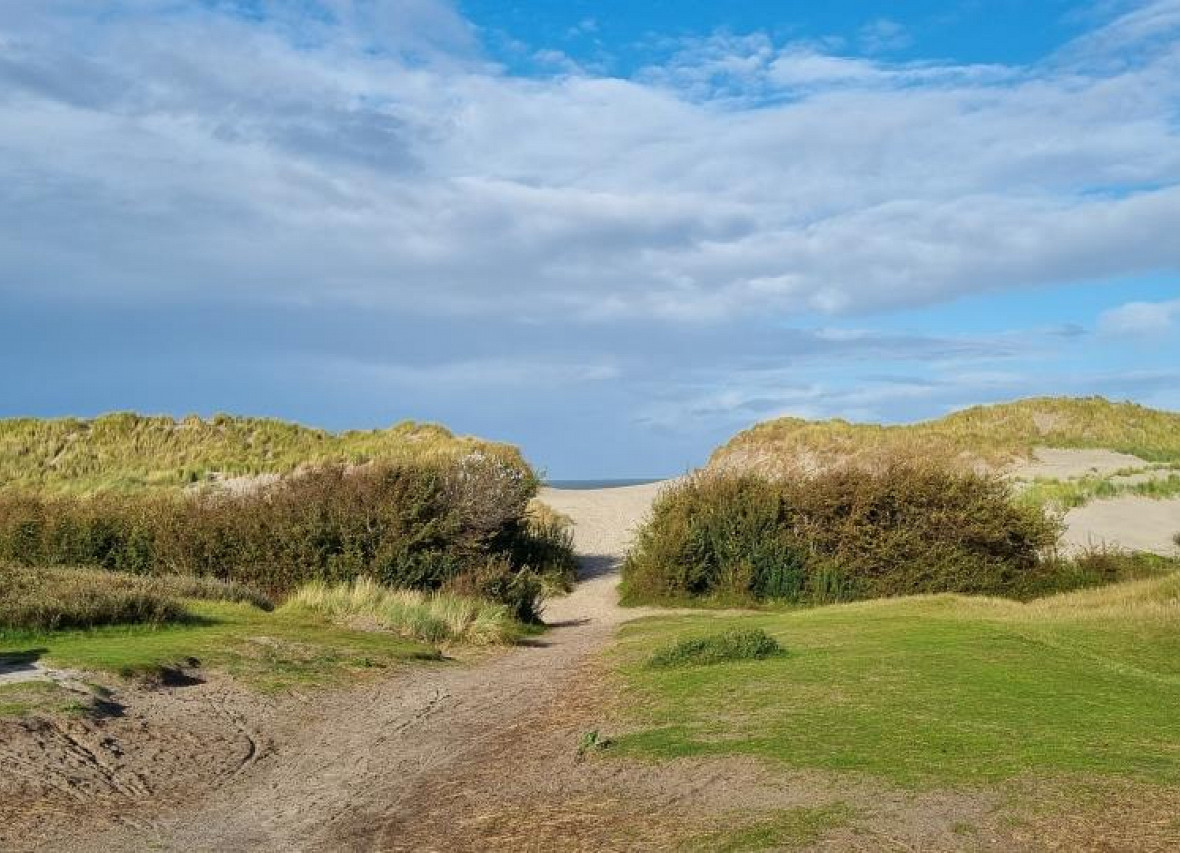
(423, 526)
(838, 536)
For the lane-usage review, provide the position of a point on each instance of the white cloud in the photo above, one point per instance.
(374, 157)
(884, 35)
(1141, 318)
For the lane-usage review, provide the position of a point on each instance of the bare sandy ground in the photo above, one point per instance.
(1131, 523)
(1063, 464)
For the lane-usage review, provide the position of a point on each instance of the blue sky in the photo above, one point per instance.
(613, 233)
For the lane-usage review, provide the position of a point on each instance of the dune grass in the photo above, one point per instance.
(437, 618)
(287, 648)
(129, 452)
(47, 598)
(1079, 491)
(928, 691)
(992, 435)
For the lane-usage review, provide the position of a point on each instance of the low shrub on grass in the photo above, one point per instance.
(841, 535)
(431, 617)
(47, 598)
(1096, 567)
(421, 526)
(733, 645)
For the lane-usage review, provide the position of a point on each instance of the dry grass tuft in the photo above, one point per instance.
(438, 618)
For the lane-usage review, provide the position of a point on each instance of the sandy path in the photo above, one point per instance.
(344, 781)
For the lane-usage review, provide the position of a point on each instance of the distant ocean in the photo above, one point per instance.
(598, 484)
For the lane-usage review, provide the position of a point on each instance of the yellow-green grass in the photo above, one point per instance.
(928, 691)
(993, 435)
(433, 617)
(24, 697)
(1079, 491)
(129, 452)
(270, 651)
(787, 829)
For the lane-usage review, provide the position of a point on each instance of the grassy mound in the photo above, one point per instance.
(732, 645)
(983, 435)
(838, 536)
(129, 452)
(50, 598)
(413, 525)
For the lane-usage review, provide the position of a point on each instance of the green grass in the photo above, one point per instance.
(17, 700)
(129, 452)
(928, 691)
(1079, 491)
(788, 829)
(994, 435)
(270, 651)
(732, 645)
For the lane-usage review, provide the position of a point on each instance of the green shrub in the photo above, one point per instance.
(421, 526)
(732, 645)
(840, 535)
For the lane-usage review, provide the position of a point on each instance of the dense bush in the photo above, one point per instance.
(423, 526)
(46, 598)
(837, 536)
(733, 645)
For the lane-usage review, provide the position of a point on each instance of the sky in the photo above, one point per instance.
(613, 233)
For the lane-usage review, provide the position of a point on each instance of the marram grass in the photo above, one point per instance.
(130, 452)
(983, 435)
(432, 617)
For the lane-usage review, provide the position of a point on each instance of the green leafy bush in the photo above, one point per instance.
(732, 645)
(422, 526)
(840, 535)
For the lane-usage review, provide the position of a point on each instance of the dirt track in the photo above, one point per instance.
(342, 771)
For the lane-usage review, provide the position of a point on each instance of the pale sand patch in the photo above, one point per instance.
(1128, 522)
(1062, 464)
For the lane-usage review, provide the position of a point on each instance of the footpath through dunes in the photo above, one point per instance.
(407, 763)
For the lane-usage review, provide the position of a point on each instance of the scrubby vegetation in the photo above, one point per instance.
(431, 617)
(129, 452)
(733, 645)
(461, 524)
(983, 435)
(838, 536)
(55, 597)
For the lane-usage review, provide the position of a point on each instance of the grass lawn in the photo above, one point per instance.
(270, 651)
(931, 691)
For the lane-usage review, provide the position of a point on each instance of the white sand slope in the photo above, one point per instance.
(1059, 464)
(1132, 523)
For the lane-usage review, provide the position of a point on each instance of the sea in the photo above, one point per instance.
(599, 484)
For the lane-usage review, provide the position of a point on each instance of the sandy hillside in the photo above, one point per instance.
(1127, 522)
